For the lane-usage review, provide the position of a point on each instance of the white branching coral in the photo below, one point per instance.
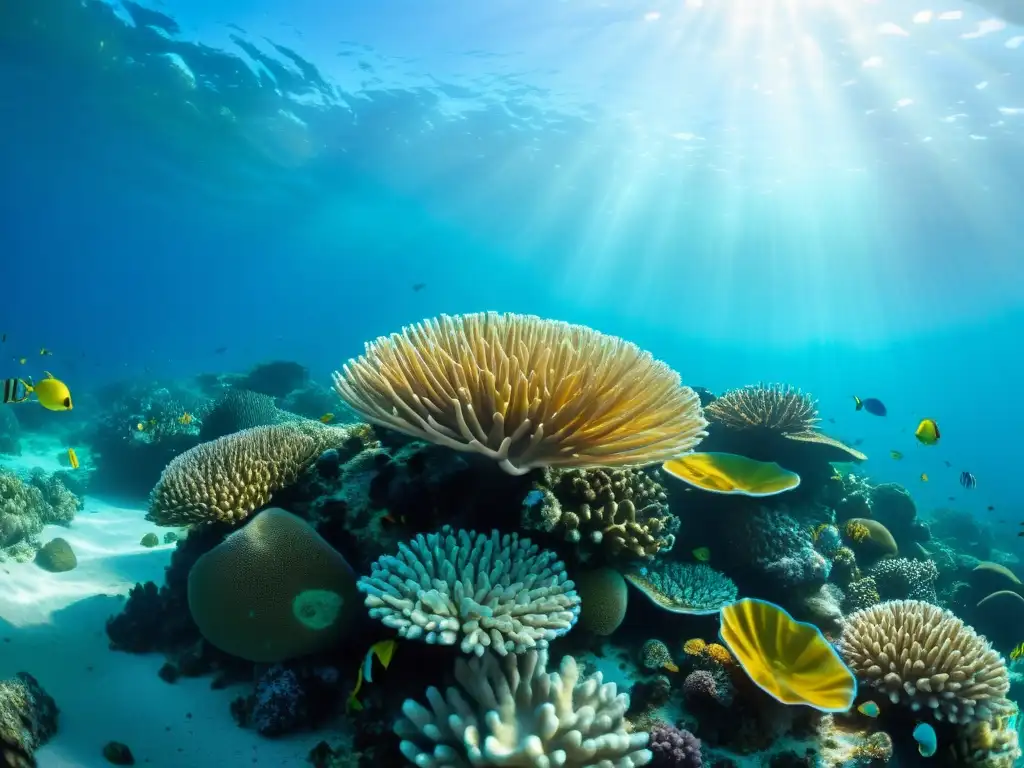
(494, 592)
(513, 712)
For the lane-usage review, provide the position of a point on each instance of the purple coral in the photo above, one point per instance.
(674, 748)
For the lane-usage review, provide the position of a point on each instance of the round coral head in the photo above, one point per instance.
(789, 660)
(730, 473)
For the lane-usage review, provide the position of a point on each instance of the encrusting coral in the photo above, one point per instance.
(624, 512)
(482, 591)
(927, 659)
(231, 477)
(272, 590)
(511, 711)
(524, 391)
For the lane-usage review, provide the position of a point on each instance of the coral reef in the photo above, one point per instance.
(673, 747)
(287, 699)
(604, 597)
(525, 392)
(926, 658)
(901, 579)
(482, 591)
(240, 409)
(28, 719)
(512, 710)
(621, 513)
(25, 507)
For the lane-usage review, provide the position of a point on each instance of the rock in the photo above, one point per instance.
(150, 540)
(56, 556)
(170, 537)
(118, 753)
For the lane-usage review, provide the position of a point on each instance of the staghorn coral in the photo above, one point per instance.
(230, 478)
(495, 592)
(684, 587)
(903, 579)
(926, 658)
(511, 711)
(273, 590)
(524, 391)
(624, 511)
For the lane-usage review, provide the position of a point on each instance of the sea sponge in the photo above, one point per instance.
(511, 711)
(272, 590)
(694, 646)
(228, 479)
(655, 655)
(926, 658)
(603, 600)
(684, 587)
(525, 392)
(489, 591)
(622, 511)
(674, 748)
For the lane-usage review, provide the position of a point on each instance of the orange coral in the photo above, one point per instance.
(718, 654)
(856, 531)
(694, 647)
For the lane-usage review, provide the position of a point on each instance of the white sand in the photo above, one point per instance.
(52, 626)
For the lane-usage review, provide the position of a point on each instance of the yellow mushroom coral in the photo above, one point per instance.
(729, 473)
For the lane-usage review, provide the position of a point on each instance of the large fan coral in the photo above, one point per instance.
(494, 592)
(231, 477)
(511, 711)
(525, 392)
(928, 659)
(622, 511)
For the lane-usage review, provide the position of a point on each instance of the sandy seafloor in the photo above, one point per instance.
(52, 626)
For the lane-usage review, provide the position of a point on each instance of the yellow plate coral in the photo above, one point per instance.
(730, 473)
(789, 660)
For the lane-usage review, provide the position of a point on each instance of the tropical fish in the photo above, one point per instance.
(872, 405)
(924, 477)
(991, 508)
(896, 455)
(927, 741)
(384, 650)
(327, 418)
(968, 481)
(1017, 652)
(21, 360)
(417, 287)
(703, 554)
(73, 458)
(44, 352)
(15, 391)
(869, 709)
(947, 463)
(927, 432)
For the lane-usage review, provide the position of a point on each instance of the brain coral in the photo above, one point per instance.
(231, 477)
(603, 600)
(492, 591)
(928, 659)
(525, 392)
(513, 712)
(272, 590)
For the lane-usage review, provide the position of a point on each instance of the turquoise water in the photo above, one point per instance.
(819, 193)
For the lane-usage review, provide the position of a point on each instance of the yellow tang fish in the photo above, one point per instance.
(924, 477)
(185, 418)
(72, 458)
(327, 418)
(384, 650)
(703, 554)
(51, 393)
(927, 432)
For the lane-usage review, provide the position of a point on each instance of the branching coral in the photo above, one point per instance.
(525, 392)
(25, 508)
(900, 579)
(231, 477)
(624, 511)
(928, 659)
(511, 711)
(684, 587)
(493, 592)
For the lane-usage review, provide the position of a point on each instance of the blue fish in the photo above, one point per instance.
(927, 741)
(533, 498)
(968, 481)
(872, 405)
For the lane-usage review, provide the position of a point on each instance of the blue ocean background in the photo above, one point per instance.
(823, 194)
